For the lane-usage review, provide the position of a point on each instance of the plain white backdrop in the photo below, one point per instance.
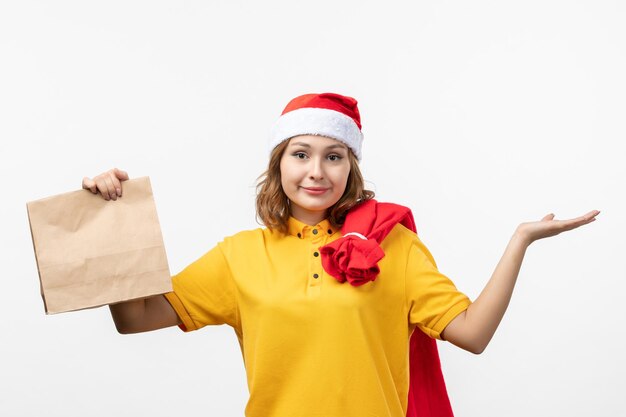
(477, 115)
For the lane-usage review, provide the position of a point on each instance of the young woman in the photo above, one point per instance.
(325, 298)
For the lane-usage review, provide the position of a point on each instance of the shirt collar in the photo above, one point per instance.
(302, 230)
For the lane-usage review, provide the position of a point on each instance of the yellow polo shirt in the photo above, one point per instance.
(313, 347)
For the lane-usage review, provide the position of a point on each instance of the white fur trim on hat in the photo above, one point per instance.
(317, 121)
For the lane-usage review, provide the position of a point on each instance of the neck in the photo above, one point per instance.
(309, 217)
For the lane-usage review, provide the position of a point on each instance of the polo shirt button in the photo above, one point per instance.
(330, 232)
(316, 254)
(315, 276)
(299, 234)
(314, 231)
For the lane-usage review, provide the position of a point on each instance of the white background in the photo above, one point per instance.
(477, 115)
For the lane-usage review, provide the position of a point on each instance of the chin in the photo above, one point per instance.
(315, 207)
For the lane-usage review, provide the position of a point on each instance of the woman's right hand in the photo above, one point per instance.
(109, 183)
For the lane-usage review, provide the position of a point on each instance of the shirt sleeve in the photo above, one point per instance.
(204, 293)
(432, 298)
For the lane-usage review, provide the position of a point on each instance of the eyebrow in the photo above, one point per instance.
(306, 145)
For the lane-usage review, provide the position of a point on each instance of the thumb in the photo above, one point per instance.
(121, 175)
(89, 184)
(548, 217)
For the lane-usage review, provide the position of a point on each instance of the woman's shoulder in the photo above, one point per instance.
(402, 233)
(403, 239)
(256, 236)
(408, 241)
(248, 243)
(246, 235)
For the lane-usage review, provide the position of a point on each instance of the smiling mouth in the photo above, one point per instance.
(314, 190)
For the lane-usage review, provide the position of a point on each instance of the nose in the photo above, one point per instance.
(316, 169)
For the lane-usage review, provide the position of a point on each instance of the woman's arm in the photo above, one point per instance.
(140, 315)
(473, 329)
(143, 315)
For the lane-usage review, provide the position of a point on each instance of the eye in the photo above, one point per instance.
(299, 155)
(335, 157)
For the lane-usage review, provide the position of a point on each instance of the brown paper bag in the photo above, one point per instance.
(91, 252)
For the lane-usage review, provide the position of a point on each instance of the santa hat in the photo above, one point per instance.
(325, 114)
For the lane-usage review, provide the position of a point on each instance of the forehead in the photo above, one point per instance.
(316, 141)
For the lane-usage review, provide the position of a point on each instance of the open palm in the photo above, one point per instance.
(547, 226)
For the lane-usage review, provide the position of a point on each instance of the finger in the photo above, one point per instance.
(586, 218)
(102, 187)
(548, 217)
(122, 175)
(89, 184)
(110, 187)
(577, 222)
(116, 184)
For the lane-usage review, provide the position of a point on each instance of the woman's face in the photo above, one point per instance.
(314, 172)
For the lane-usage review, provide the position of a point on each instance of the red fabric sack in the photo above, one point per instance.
(354, 258)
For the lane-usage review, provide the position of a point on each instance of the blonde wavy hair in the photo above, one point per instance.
(273, 206)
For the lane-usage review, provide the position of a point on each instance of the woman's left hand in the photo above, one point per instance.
(546, 227)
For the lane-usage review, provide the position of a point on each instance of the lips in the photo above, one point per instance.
(315, 190)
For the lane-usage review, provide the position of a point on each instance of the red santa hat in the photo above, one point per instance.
(325, 114)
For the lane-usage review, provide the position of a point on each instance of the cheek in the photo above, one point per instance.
(284, 171)
(341, 177)
(288, 175)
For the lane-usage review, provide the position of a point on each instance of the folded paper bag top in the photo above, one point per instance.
(92, 252)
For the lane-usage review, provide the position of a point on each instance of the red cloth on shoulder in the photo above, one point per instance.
(355, 259)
